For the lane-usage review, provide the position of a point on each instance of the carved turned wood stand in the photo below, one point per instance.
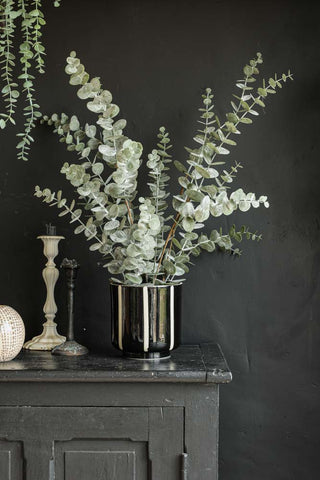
(97, 418)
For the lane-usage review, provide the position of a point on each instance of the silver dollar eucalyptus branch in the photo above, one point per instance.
(27, 16)
(139, 239)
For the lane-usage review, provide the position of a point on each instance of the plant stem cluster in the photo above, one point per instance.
(139, 238)
(31, 55)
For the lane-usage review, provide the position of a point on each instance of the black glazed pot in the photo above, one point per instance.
(146, 319)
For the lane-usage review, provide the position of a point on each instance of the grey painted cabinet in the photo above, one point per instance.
(96, 418)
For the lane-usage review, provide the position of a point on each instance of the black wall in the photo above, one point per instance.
(263, 308)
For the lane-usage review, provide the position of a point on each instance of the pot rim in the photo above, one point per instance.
(141, 285)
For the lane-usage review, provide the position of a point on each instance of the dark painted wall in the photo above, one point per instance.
(262, 308)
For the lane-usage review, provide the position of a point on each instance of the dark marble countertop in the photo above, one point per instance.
(203, 363)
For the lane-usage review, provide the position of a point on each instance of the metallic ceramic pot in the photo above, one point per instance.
(146, 319)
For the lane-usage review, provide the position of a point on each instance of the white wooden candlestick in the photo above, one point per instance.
(49, 338)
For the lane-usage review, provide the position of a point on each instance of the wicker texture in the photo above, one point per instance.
(12, 333)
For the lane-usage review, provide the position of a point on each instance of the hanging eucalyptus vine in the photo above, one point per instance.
(31, 56)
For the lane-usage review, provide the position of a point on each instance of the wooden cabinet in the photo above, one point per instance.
(96, 418)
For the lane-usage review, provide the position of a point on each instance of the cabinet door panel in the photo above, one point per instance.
(96, 443)
(97, 465)
(10, 461)
(40, 428)
(101, 459)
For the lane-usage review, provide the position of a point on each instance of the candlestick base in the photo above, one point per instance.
(47, 340)
(71, 348)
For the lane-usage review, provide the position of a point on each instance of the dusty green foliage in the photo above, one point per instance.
(26, 16)
(143, 243)
(7, 58)
(158, 166)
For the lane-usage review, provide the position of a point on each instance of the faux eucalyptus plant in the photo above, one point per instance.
(140, 239)
(31, 19)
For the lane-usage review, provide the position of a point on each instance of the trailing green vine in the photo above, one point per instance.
(31, 55)
(9, 92)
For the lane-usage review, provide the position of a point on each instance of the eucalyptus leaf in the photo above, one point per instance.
(202, 171)
(188, 224)
(179, 166)
(107, 150)
(90, 130)
(97, 168)
(95, 246)
(134, 279)
(169, 267)
(111, 225)
(74, 123)
(195, 195)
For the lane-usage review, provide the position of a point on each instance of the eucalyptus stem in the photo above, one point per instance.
(177, 218)
(7, 56)
(39, 50)
(28, 89)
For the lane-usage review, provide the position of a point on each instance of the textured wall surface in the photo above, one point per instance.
(263, 308)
